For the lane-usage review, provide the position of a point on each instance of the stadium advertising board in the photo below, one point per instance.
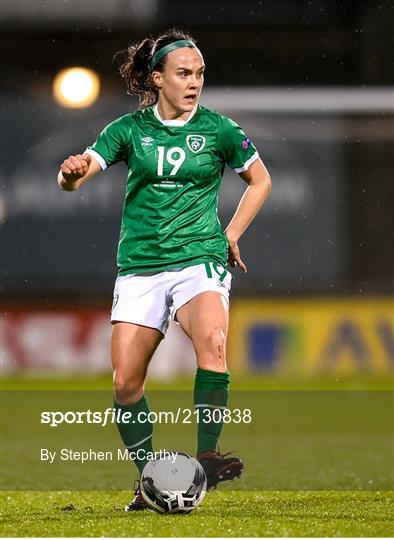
(308, 336)
(312, 336)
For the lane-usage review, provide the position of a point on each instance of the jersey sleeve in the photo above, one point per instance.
(111, 146)
(235, 148)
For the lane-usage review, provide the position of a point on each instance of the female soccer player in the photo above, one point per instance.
(172, 252)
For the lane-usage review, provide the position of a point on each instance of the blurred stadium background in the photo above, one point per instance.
(312, 85)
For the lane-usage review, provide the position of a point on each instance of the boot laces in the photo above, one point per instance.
(221, 455)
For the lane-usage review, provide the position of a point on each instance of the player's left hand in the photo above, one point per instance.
(234, 257)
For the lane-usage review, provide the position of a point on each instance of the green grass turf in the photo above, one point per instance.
(297, 440)
(238, 382)
(222, 514)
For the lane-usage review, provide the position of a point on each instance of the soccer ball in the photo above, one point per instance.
(171, 485)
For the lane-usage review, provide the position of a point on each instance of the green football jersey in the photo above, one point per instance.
(174, 173)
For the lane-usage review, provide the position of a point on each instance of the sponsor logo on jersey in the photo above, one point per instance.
(245, 143)
(195, 142)
(146, 142)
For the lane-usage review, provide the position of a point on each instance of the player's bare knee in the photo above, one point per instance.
(216, 340)
(126, 390)
(212, 354)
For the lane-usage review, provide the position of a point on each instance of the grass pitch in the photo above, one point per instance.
(224, 513)
(221, 514)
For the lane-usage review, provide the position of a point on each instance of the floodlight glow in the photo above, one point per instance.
(76, 87)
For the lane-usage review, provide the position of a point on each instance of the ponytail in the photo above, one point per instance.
(136, 73)
(136, 67)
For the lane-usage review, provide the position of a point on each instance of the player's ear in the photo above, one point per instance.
(157, 79)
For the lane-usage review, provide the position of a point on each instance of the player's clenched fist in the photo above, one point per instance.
(75, 167)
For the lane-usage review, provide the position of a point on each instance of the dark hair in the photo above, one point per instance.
(136, 70)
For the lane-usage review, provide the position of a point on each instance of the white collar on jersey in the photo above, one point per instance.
(175, 123)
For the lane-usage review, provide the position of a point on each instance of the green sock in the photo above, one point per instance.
(137, 435)
(210, 392)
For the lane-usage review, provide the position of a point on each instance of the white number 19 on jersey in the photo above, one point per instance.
(177, 162)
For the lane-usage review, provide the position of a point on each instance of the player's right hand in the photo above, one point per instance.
(75, 167)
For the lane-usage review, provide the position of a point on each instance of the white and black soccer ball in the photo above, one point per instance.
(173, 485)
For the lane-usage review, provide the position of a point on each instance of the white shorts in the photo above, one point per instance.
(148, 299)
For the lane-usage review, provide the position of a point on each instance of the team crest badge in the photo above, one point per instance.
(195, 142)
